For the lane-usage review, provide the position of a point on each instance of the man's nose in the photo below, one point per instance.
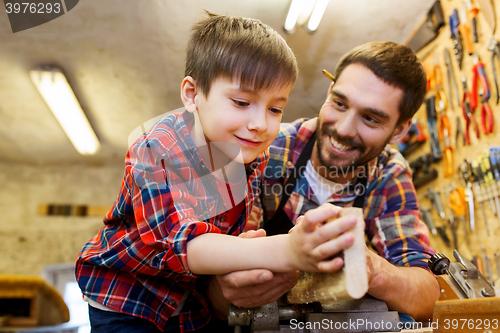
(346, 125)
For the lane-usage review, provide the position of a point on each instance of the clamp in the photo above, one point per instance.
(464, 274)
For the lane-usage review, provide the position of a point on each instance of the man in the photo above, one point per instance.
(379, 86)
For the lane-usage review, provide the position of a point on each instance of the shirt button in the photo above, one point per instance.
(222, 219)
(289, 164)
(172, 302)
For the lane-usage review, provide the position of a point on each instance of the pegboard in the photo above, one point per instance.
(478, 237)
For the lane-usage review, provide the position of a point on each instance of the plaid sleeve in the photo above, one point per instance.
(393, 220)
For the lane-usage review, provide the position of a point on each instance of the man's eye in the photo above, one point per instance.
(276, 111)
(240, 103)
(339, 104)
(372, 120)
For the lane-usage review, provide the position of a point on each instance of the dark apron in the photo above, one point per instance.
(280, 223)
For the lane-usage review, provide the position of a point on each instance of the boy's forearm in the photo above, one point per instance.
(410, 290)
(218, 254)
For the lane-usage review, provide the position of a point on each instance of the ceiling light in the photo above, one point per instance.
(317, 14)
(56, 92)
(305, 10)
(293, 14)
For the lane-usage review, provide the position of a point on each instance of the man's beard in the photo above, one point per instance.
(343, 168)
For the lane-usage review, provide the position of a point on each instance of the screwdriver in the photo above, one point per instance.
(490, 179)
(476, 171)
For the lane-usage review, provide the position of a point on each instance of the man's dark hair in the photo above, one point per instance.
(397, 66)
(239, 48)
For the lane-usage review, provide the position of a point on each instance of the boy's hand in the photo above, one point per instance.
(312, 243)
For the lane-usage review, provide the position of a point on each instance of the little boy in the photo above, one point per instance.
(189, 185)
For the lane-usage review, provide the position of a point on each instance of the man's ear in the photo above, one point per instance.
(400, 131)
(188, 93)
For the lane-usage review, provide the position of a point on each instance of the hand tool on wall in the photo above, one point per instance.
(422, 171)
(494, 157)
(497, 262)
(413, 139)
(465, 176)
(490, 181)
(451, 220)
(476, 172)
(444, 135)
(452, 82)
(478, 71)
(455, 36)
(486, 265)
(433, 134)
(464, 28)
(435, 198)
(459, 133)
(489, 13)
(427, 218)
(495, 53)
(456, 201)
(437, 86)
(485, 183)
(470, 280)
(472, 13)
(467, 112)
(486, 115)
(429, 29)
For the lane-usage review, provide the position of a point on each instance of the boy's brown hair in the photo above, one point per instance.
(239, 48)
(396, 65)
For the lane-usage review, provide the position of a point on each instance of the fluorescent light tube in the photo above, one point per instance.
(316, 15)
(56, 92)
(293, 14)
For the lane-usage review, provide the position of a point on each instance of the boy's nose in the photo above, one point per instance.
(258, 121)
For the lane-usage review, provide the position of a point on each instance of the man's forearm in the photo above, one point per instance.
(410, 290)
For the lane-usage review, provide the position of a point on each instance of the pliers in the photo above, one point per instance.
(486, 114)
(495, 51)
(467, 113)
(478, 69)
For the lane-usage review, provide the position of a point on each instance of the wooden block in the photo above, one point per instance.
(72, 210)
(467, 315)
(351, 282)
(448, 289)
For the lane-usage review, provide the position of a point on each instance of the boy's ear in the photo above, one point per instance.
(188, 93)
(401, 131)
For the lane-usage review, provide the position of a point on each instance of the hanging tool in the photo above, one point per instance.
(456, 201)
(470, 280)
(446, 192)
(485, 183)
(452, 82)
(497, 261)
(464, 29)
(444, 135)
(487, 265)
(437, 86)
(489, 14)
(427, 218)
(478, 70)
(476, 172)
(472, 13)
(433, 134)
(494, 158)
(459, 132)
(435, 199)
(495, 52)
(490, 181)
(466, 179)
(413, 139)
(422, 172)
(486, 115)
(468, 113)
(455, 36)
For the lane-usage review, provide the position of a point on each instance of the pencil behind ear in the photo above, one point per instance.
(188, 93)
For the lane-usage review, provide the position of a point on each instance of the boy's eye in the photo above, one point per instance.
(240, 103)
(276, 111)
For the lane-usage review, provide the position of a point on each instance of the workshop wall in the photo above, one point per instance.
(479, 237)
(28, 240)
